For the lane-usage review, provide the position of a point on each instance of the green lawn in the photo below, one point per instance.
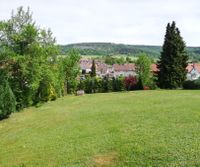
(141, 128)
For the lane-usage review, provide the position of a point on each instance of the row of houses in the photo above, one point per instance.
(129, 69)
(103, 69)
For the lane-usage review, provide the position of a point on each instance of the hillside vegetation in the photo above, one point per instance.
(121, 49)
(140, 128)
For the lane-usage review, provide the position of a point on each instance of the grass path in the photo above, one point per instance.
(141, 128)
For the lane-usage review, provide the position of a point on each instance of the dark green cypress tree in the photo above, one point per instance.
(7, 98)
(173, 61)
(93, 69)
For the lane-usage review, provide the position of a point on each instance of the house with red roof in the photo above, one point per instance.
(102, 69)
(193, 71)
(124, 70)
(129, 69)
(85, 65)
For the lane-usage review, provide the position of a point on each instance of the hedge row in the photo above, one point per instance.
(103, 85)
(192, 84)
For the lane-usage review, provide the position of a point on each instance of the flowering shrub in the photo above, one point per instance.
(130, 83)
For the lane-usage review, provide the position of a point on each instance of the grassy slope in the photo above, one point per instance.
(143, 128)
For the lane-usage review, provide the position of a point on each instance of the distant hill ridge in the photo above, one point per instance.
(100, 48)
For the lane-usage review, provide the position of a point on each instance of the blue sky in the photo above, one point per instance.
(118, 21)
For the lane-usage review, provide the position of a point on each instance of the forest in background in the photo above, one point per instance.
(102, 49)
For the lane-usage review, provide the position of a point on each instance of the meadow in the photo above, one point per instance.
(139, 128)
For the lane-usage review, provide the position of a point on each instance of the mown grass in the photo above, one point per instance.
(141, 128)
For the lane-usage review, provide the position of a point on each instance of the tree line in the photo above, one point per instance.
(102, 49)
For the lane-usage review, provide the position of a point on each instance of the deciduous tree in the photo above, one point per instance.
(143, 70)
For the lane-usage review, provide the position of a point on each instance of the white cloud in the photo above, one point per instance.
(121, 21)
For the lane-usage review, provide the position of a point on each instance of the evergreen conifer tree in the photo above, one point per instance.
(173, 61)
(93, 69)
(7, 98)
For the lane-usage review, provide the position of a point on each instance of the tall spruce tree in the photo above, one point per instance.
(93, 69)
(173, 61)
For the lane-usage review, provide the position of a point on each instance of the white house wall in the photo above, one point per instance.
(193, 75)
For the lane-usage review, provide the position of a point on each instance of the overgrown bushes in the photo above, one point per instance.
(29, 62)
(106, 84)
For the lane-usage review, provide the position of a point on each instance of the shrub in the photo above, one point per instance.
(88, 85)
(117, 84)
(192, 84)
(45, 92)
(106, 85)
(97, 85)
(81, 85)
(140, 86)
(7, 100)
(130, 83)
(72, 86)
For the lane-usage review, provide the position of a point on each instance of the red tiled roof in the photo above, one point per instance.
(102, 67)
(197, 67)
(189, 67)
(124, 67)
(154, 68)
(87, 63)
(194, 65)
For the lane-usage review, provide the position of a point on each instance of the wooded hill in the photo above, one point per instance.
(122, 49)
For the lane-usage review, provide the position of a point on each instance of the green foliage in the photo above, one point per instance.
(47, 87)
(121, 60)
(106, 84)
(96, 84)
(88, 85)
(140, 85)
(81, 85)
(117, 84)
(173, 61)
(7, 98)
(192, 84)
(31, 63)
(129, 60)
(92, 84)
(114, 60)
(102, 49)
(143, 70)
(101, 85)
(110, 60)
(70, 70)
